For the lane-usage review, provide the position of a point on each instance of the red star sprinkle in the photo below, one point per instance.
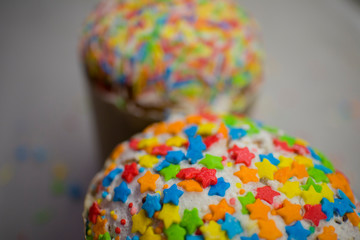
(188, 173)
(299, 149)
(314, 213)
(206, 177)
(266, 193)
(208, 141)
(94, 211)
(161, 150)
(134, 143)
(130, 172)
(241, 155)
(283, 145)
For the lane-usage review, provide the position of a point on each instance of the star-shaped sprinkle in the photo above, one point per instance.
(110, 177)
(148, 142)
(297, 231)
(94, 211)
(196, 143)
(105, 236)
(148, 182)
(176, 141)
(245, 200)
(140, 222)
(314, 213)
(311, 196)
(258, 210)
(170, 171)
(323, 168)
(237, 133)
(172, 195)
(211, 162)
(290, 212)
(148, 161)
(241, 155)
(339, 181)
(121, 192)
(191, 131)
(188, 173)
(191, 220)
(210, 140)
(346, 198)
(162, 165)
(328, 234)
(266, 169)
(219, 210)
(253, 237)
(175, 157)
(354, 218)
(99, 227)
(130, 172)
(299, 170)
(206, 177)
(169, 214)
(161, 150)
(150, 235)
(285, 162)
(134, 144)
(268, 230)
(219, 188)
(152, 204)
(194, 155)
(327, 207)
(266, 193)
(310, 182)
(273, 160)
(318, 175)
(213, 231)
(175, 232)
(341, 206)
(194, 119)
(326, 192)
(291, 189)
(283, 174)
(231, 225)
(196, 237)
(176, 127)
(223, 131)
(206, 128)
(247, 174)
(308, 162)
(190, 185)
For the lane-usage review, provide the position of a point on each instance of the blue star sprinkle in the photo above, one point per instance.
(328, 208)
(219, 188)
(172, 195)
(191, 131)
(314, 154)
(152, 204)
(345, 197)
(110, 177)
(297, 231)
(175, 157)
(237, 133)
(162, 165)
(231, 225)
(253, 237)
(270, 157)
(121, 192)
(196, 143)
(194, 155)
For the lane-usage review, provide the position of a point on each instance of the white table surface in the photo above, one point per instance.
(47, 130)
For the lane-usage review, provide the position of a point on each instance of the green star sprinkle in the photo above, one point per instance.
(247, 199)
(211, 162)
(325, 161)
(310, 182)
(318, 175)
(105, 236)
(175, 232)
(191, 220)
(170, 171)
(288, 139)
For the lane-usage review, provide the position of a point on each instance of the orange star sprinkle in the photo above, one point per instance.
(354, 218)
(147, 182)
(190, 185)
(219, 211)
(258, 210)
(223, 130)
(160, 128)
(176, 127)
(117, 151)
(328, 234)
(289, 212)
(283, 174)
(268, 230)
(339, 181)
(194, 119)
(99, 227)
(299, 170)
(247, 174)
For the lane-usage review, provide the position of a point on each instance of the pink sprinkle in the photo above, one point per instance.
(133, 211)
(232, 201)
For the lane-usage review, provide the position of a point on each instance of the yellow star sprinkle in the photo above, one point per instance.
(266, 169)
(169, 214)
(304, 160)
(150, 235)
(140, 222)
(148, 142)
(212, 231)
(285, 162)
(327, 193)
(176, 141)
(311, 196)
(206, 129)
(291, 189)
(148, 161)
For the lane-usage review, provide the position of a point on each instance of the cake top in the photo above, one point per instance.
(219, 177)
(159, 53)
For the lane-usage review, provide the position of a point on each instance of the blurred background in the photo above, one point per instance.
(48, 146)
